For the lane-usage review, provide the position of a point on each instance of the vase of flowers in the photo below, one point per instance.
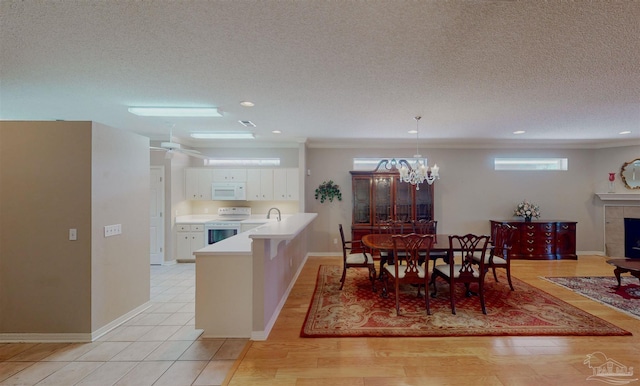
(527, 210)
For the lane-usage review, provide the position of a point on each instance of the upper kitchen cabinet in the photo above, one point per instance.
(229, 175)
(259, 184)
(285, 184)
(198, 183)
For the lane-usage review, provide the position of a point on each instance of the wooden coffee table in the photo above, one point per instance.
(625, 265)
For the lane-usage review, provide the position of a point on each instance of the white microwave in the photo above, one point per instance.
(229, 191)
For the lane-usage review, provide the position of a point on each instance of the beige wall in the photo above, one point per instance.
(45, 189)
(60, 175)
(470, 192)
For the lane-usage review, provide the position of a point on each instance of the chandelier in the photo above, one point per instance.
(420, 171)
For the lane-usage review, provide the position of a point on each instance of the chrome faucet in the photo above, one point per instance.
(269, 213)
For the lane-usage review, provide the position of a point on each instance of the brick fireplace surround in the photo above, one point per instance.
(614, 227)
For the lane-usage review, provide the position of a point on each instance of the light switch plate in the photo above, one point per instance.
(112, 230)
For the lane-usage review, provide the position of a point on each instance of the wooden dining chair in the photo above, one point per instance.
(429, 227)
(467, 271)
(499, 254)
(352, 259)
(385, 227)
(408, 270)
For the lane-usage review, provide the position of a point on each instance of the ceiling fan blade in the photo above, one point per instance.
(188, 151)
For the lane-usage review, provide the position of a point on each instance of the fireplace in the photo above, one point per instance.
(632, 238)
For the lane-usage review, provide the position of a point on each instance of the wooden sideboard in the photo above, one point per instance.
(542, 239)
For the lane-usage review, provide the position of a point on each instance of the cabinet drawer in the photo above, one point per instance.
(538, 236)
(566, 227)
(537, 249)
(190, 227)
(534, 227)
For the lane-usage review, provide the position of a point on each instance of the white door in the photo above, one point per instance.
(156, 200)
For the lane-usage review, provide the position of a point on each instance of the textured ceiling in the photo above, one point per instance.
(332, 72)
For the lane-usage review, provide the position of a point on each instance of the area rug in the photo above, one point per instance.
(357, 311)
(603, 289)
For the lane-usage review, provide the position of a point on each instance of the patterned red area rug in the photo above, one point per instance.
(358, 311)
(603, 289)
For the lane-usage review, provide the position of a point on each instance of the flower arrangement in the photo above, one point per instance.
(527, 210)
(328, 190)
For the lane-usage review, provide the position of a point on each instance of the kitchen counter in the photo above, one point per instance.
(204, 218)
(272, 229)
(243, 281)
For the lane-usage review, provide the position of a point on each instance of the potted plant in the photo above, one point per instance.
(328, 191)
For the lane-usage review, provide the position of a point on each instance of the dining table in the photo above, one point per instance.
(384, 242)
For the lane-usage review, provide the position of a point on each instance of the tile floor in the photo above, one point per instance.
(157, 347)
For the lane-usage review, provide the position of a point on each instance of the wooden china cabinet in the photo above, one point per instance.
(379, 195)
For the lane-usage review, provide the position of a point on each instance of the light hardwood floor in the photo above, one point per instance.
(286, 359)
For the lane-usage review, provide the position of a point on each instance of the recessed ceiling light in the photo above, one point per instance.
(223, 135)
(276, 132)
(412, 131)
(625, 132)
(519, 132)
(175, 111)
(246, 104)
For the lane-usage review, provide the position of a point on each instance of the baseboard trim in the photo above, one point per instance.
(115, 323)
(44, 338)
(25, 337)
(591, 253)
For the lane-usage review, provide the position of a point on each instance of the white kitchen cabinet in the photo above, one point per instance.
(259, 184)
(229, 175)
(285, 184)
(198, 183)
(189, 238)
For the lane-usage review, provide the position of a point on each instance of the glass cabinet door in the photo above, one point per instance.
(404, 201)
(362, 200)
(382, 198)
(424, 202)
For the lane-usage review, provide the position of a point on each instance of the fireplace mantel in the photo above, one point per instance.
(619, 196)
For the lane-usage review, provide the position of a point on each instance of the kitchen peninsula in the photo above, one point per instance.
(242, 282)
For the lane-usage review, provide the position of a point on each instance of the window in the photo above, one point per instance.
(371, 163)
(531, 164)
(242, 162)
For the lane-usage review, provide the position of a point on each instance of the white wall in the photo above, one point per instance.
(120, 272)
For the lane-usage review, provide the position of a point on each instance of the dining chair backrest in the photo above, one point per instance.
(468, 246)
(410, 245)
(345, 247)
(425, 227)
(503, 239)
(391, 227)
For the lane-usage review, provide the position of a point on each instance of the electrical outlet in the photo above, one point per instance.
(73, 234)
(335, 241)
